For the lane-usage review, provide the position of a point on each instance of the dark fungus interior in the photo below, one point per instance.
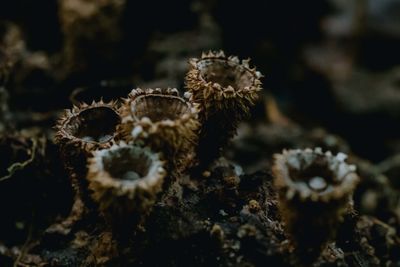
(318, 177)
(128, 163)
(225, 73)
(96, 124)
(159, 107)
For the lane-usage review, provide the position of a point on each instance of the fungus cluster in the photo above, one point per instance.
(124, 154)
(164, 121)
(120, 153)
(81, 131)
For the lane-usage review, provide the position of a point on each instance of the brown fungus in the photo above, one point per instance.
(5, 67)
(82, 22)
(85, 128)
(5, 115)
(12, 46)
(225, 88)
(125, 180)
(80, 131)
(315, 192)
(164, 121)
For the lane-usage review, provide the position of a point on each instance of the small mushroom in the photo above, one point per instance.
(124, 181)
(315, 192)
(225, 88)
(163, 120)
(80, 131)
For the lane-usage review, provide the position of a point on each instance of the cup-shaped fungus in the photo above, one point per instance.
(85, 128)
(80, 131)
(125, 180)
(164, 121)
(315, 192)
(225, 88)
(5, 115)
(11, 48)
(5, 67)
(82, 22)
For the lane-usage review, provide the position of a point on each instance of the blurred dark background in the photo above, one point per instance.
(327, 63)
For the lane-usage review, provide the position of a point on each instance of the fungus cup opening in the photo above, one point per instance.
(315, 174)
(127, 164)
(225, 73)
(96, 124)
(317, 177)
(159, 107)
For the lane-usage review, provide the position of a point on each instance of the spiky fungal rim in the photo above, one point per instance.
(107, 188)
(181, 128)
(70, 119)
(245, 85)
(312, 175)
